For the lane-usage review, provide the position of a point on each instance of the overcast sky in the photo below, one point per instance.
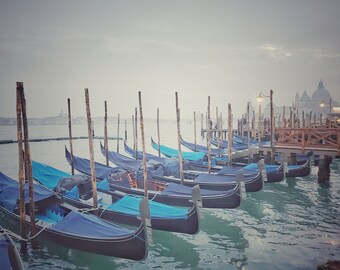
(230, 50)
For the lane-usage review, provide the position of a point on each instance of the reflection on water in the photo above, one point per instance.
(294, 224)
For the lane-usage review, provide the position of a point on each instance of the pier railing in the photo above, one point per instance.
(322, 138)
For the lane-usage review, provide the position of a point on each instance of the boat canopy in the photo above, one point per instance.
(89, 226)
(102, 171)
(9, 195)
(130, 205)
(178, 190)
(47, 175)
(170, 152)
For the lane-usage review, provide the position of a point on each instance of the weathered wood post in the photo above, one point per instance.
(292, 159)
(230, 135)
(248, 133)
(272, 128)
(118, 123)
(133, 132)
(179, 140)
(28, 162)
(324, 169)
(125, 137)
(158, 134)
(19, 89)
(284, 117)
(70, 132)
(303, 119)
(253, 126)
(143, 145)
(195, 129)
(209, 137)
(202, 130)
(93, 172)
(136, 132)
(106, 143)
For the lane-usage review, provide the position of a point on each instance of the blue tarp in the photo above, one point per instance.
(6, 181)
(170, 152)
(121, 160)
(212, 178)
(104, 185)
(181, 190)
(89, 226)
(130, 205)
(102, 171)
(9, 195)
(4, 257)
(201, 148)
(72, 194)
(253, 167)
(132, 152)
(46, 175)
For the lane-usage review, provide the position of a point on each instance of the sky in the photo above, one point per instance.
(228, 50)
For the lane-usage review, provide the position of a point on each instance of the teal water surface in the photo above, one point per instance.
(294, 224)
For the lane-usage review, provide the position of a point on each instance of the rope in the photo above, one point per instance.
(12, 234)
(43, 228)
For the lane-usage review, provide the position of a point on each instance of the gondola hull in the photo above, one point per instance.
(177, 195)
(133, 247)
(63, 224)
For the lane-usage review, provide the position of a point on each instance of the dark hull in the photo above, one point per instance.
(132, 247)
(12, 261)
(302, 171)
(190, 225)
(276, 176)
(252, 183)
(229, 199)
(224, 199)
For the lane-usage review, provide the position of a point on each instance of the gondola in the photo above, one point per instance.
(211, 181)
(114, 206)
(159, 191)
(9, 256)
(63, 224)
(273, 175)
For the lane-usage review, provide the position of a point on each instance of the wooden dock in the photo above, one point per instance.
(322, 140)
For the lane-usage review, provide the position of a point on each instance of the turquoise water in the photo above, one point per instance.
(294, 224)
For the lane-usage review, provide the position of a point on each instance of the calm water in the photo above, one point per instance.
(294, 224)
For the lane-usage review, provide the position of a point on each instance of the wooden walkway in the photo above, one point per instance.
(323, 140)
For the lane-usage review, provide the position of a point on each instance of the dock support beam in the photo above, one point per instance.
(324, 170)
(292, 159)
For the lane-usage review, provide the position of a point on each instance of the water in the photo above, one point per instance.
(294, 224)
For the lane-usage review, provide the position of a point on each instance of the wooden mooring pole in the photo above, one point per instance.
(106, 143)
(125, 137)
(158, 134)
(136, 132)
(28, 162)
(230, 135)
(118, 133)
(19, 89)
(209, 137)
(248, 132)
(324, 169)
(89, 128)
(179, 140)
(143, 145)
(70, 133)
(195, 130)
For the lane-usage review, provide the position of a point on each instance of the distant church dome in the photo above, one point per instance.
(305, 99)
(321, 94)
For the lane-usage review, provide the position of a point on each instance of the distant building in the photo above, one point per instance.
(312, 104)
(308, 103)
